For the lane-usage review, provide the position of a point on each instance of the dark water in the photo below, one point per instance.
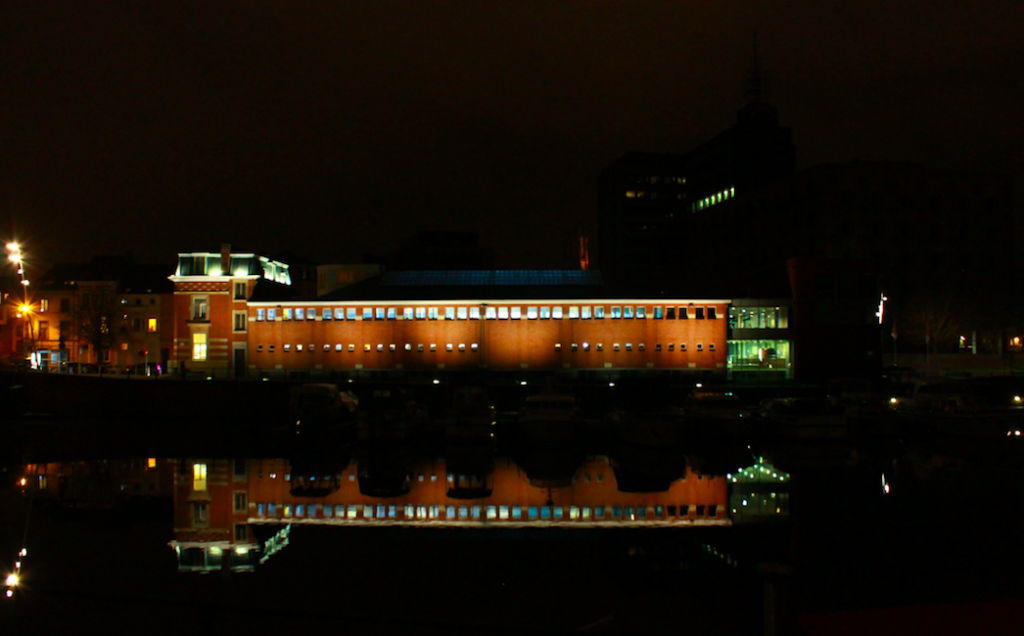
(727, 520)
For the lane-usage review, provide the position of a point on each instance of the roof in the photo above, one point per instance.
(501, 277)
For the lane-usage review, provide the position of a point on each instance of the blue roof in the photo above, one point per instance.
(489, 278)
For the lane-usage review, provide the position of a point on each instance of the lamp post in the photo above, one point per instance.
(14, 255)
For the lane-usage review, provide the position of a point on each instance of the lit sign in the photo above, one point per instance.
(276, 543)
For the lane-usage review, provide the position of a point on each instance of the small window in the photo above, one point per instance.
(558, 346)
(433, 347)
(432, 313)
(684, 313)
(491, 313)
(615, 347)
(298, 347)
(261, 314)
(712, 313)
(449, 347)
(287, 313)
(240, 290)
(700, 313)
(408, 347)
(641, 312)
(545, 313)
(339, 313)
(515, 313)
(531, 313)
(641, 346)
(327, 314)
(327, 347)
(392, 313)
(586, 346)
(350, 313)
(300, 314)
(658, 313)
(474, 346)
(449, 313)
(599, 312)
(627, 312)
(629, 346)
(391, 347)
(616, 312)
(600, 347)
(700, 346)
(407, 313)
(461, 313)
(574, 312)
(711, 347)
(366, 348)
(502, 313)
(474, 313)
(682, 346)
(380, 313)
(338, 347)
(311, 314)
(271, 315)
(421, 313)
(259, 348)
(287, 348)
(419, 348)
(462, 346)
(367, 313)
(351, 348)
(670, 313)
(657, 347)
(556, 313)
(671, 346)
(270, 348)
(585, 313)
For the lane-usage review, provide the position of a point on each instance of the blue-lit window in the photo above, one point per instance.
(658, 313)
(545, 313)
(463, 313)
(381, 511)
(311, 314)
(339, 313)
(492, 512)
(641, 312)
(410, 511)
(599, 311)
(474, 313)
(599, 512)
(271, 315)
(491, 313)
(503, 512)
(556, 313)
(299, 314)
(463, 512)
(328, 510)
(616, 312)
(533, 513)
(339, 511)
(502, 313)
(531, 313)
(391, 512)
(475, 510)
(517, 512)
(574, 312)
(515, 313)
(327, 314)
(449, 512)
(260, 315)
(367, 313)
(407, 313)
(350, 313)
(558, 512)
(259, 510)
(391, 313)
(627, 312)
(380, 313)
(432, 313)
(585, 313)
(449, 313)
(272, 510)
(545, 512)
(421, 313)
(300, 510)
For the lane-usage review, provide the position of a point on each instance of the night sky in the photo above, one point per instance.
(331, 129)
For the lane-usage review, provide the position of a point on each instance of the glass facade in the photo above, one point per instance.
(759, 317)
(755, 355)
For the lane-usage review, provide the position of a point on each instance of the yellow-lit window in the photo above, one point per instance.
(198, 476)
(151, 462)
(152, 325)
(199, 346)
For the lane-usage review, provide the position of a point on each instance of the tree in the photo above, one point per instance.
(933, 319)
(95, 316)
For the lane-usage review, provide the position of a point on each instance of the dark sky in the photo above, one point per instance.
(335, 128)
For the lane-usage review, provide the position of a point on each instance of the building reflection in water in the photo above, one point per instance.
(232, 514)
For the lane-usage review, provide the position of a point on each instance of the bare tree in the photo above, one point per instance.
(96, 315)
(934, 320)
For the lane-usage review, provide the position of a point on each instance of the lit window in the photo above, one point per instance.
(433, 346)
(641, 312)
(641, 345)
(297, 347)
(391, 347)
(151, 325)
(421, 313)
(380, 347)
(630, 194)
(545, 313)
(599, 311)
(327, 314)
(199, 477)
(327, 347)
(627, 312)
(311, 314)
(261, 314)
(288, 313)
(657, 313)
(367, 313)
(350, 313)
(615, 347)
(556, 313)
(366, 348)
(380, 313)
(531, 313)
(449, 313)
(629, 347)
(419, 348)
(574, 312)
(474, 313)
(351, 348)
(600, 347)
(491, 313)
(271, 315)
(586, 346)
(448, 347)
(502, 313)
(462, 346)
(300, 314)
(462, 313)
(407, 313)
(616, 312)
(338, 347)
(432, 313)
(474, 346)
(392, 315)
(408, 347)
(585, 313)
(199, 346)
(516, 313)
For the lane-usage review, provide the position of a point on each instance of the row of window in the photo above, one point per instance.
(489, 313)
(709, 201)
(367, 347)
(381, 511)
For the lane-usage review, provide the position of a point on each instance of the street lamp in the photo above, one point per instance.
(14, 255)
